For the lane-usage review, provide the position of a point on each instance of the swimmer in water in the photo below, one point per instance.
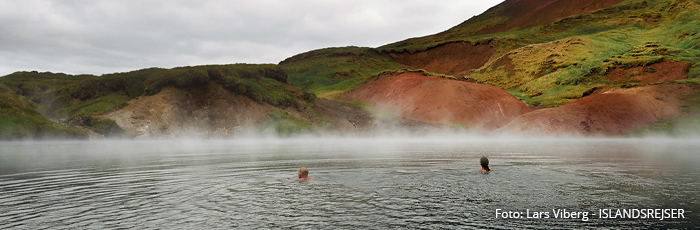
(484, 165)
(303, 174)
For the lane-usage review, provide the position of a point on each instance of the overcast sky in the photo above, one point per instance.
(98, 37)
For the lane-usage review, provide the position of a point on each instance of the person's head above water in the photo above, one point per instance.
(485, 165)
(303, 172)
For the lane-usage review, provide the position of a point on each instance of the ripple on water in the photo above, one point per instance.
(220, 184)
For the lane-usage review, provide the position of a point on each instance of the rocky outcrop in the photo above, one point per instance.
(213, 111)
(607, 112)
(201, 111)
(457, 58)
(438, 101)
(662, 71)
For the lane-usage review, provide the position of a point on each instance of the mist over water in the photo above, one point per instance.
(381, 182)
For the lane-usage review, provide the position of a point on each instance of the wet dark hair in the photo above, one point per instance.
(485, 163)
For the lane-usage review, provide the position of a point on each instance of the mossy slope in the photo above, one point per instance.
(19, 119)
(553, 64)
(331, 71)
(79, 99)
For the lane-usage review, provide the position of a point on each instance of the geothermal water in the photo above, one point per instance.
(359, 183)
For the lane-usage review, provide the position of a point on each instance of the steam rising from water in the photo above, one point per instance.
(17, 155)
(360, 182)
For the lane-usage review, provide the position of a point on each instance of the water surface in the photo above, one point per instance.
(359, 183)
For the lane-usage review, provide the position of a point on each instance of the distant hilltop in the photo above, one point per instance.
(523, 67)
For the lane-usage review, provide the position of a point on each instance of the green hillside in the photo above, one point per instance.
(546, 65)
(19, 119)
(80, 98)
(331, 71)
(553, 64)
(635, 42)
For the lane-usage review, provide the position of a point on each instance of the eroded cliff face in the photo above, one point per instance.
(607, 112)
(457, 58)
(439, 101)
(212, 111)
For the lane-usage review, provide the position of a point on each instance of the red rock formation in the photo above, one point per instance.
(654, 73)
(439, 101)
(613, 112)
(456, 59)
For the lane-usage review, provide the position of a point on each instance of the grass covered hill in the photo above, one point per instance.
(546, 53)
(331, 71)
(77, 100)
(631, 43)
(19, 119)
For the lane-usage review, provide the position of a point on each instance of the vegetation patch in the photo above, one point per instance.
(418, 71)
(19, 119)
(96, 106)
(331, 71)
(32, 84)
(285, 124)
(262, 90)
(458, 125)
(106, 127)
(360, 104)
(694, 72)
(61, 96)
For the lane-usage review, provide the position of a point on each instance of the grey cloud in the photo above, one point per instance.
(111, 36)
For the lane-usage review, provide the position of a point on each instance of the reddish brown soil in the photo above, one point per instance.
(439, 101)
(337, 75)
(613, 112)
(506, 62)
(524, 14)
(456, 59)
(654, 73)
